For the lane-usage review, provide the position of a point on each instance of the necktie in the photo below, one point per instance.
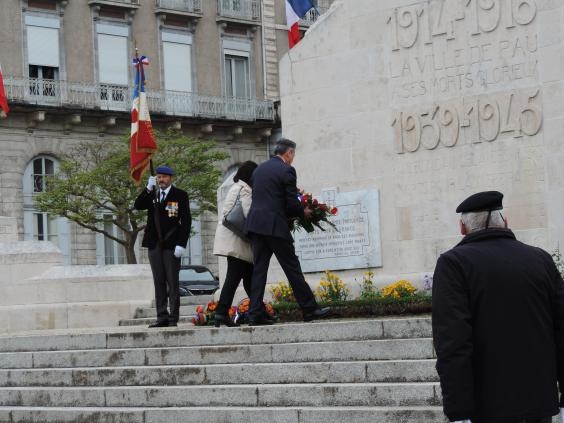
(163, 194)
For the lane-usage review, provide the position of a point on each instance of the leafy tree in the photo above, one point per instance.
(93, 187)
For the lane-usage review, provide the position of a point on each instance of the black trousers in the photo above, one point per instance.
(531, 420)
(165, 268)
(237, 269)
(263, 248)
(535, 420)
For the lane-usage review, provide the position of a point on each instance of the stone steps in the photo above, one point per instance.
(244, 395)
(146, 321)
(383, 349)
(219, 374)
(189, 335)
(411, 414)
(185, 310)
(372, 370)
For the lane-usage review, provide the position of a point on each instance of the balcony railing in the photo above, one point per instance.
(48, 92)
(314, 14)
(239, 9)
(190, 6)
(115, 2)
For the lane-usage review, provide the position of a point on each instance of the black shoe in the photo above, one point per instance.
(224, 320)
(318, 313)
(260, 321)
(172, 324)
(157, 324)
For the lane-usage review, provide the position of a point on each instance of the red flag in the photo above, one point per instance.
(143, 143)
(3, 98)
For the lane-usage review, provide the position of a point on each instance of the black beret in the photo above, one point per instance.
(481, 201)
(164, 170)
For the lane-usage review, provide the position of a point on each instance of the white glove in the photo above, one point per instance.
(151, 183)
(562, 415)
(179, 251)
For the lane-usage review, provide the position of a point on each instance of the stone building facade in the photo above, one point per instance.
(213, 74)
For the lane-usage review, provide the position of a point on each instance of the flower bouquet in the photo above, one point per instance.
(242, 314)
(321, 212)
(205, 315)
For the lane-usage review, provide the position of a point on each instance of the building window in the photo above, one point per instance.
(40, 226)
(43, 55)
(177, 61)
(43, 80)
(114, 253)
(42, 168)
(113, 70)
(193, 253)
(237, 81)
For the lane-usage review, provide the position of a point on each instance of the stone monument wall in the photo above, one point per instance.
(427, 102)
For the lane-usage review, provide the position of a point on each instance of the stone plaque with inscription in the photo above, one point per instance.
(355, 243)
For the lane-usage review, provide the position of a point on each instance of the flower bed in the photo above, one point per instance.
(415, 304)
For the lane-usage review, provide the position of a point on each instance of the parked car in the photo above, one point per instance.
(197, 280)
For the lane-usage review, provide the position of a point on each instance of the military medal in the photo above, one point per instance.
(172, 208)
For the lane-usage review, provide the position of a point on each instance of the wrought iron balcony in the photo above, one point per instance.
(248, 10)
(52, 93)
(119, 3)
(314, 14)
(187, 6)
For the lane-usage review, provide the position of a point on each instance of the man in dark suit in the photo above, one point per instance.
(498, 322)
(166, 235)
(274, 201)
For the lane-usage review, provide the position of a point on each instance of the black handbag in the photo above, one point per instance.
(234, 220)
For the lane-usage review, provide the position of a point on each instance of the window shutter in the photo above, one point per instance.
(43, 46)
(177, 66)
(112, 59)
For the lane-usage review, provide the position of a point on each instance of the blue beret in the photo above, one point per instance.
(164, 170)
(481, 201)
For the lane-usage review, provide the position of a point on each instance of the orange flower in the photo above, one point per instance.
(211, 306)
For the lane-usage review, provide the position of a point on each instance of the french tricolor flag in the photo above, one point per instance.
(143, 143)
(296, 9)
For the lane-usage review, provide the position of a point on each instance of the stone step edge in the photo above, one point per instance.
(217, 346)
(218, 408)
(348, 329)
(195, 366)
(212, 387)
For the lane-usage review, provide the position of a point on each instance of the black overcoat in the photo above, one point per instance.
(498, 329)
(275, 199)
(173, 215)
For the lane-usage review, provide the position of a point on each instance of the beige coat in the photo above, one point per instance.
(226, 243)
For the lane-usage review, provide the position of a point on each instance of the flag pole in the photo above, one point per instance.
(142, 75)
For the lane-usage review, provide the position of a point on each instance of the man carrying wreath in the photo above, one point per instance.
(274, 202)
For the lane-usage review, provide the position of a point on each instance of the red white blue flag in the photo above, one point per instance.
(296, 9)
(143, 143)
(3, 98)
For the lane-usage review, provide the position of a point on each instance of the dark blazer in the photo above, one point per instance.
(498, 328)
(275, 199)
(175, 226)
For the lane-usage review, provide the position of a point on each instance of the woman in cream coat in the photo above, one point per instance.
(236, 249)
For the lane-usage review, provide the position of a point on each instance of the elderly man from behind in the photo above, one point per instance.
(498, 322)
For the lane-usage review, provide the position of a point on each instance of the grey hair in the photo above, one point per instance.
(283, 145)
(476, 221)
